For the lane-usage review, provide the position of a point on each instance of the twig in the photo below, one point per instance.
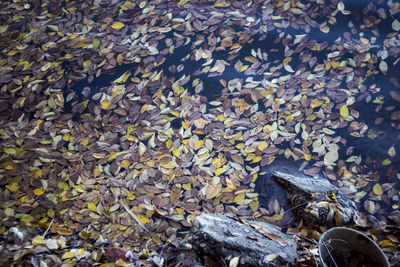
(48, 228)
(295, 207)
(306, 238)
(133, 215)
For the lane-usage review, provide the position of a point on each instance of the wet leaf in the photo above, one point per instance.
(117, 25)
(331, 157)
(392, 151)
(38, 191)
(377, 189)
(383, 67)
(396, 25)
(344, 112)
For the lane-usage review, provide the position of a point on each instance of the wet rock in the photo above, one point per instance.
(317, 201)
(255, 243)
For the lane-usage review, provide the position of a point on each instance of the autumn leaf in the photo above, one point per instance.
(377, 189)
(92, 206)
(331, 157)
(68, 255)
(38, 191)
(117, 25)
(13, 186)
(344, 111)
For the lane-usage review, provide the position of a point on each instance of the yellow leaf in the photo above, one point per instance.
(344, 112)
(257, 159)
(86, 63)
(236, 45)
(168, 144)
(277, 217)
(92, 206)
(218, 171)
(262, 145)
(27, 219)
(243, 68)
(219, 161)
(38, 173)
(177, 152)
(213, 191)
(185, 124)
(38, 240)
(80, 251)
(85, 141)
(386, 162)
(9, 165)
(112, 156)
(38, 191)
(117, 25)
(195, 82)
(68, 255)
(66, 137)
(254, 204)
(130, 129)
(387, 243)
(125, 164)
(179, 90)
(198, 144)
(239, 197)
(80, 188)
(131, 196)
(64, 231)
(105, 104)
(63, 185)
(287, 60)
(377, 189)
(168, 164)
(143, 219)
(13, 187)
(335, 64)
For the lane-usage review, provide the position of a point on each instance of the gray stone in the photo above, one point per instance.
(310, 200)
(256, 243)
(305, 185)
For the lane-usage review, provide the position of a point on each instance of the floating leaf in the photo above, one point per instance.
(143, 219)
(38, 240)
(344, 112)
(13, 186)
(117, 25)
(392, 151)
(396, 25)
(383, 66)
(92, 206)
(38, 191)
(185, 124)
(105, 103)
(68, 255)
(331, 157)
(377, 189)
(386, 162)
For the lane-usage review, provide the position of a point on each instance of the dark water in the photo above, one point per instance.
(371, 104)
